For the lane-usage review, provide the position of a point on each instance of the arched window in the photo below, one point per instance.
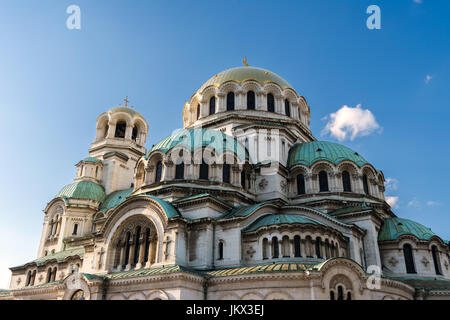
(365, 185)
(212, 105)
(127, 249)
(340, 293)
(270, 103)
(75, 229)
(147, 244)
(27, 282)
(198, 111)
(220, 250)
(287, 107)
(346, 181)
(436, 261)
(49, 275)
(297, 252)
(331, 295)
(275, 248)
(250, 100)
(53, 279)
(409, 258)
(349, 295)
(265, 245)
(230, 101)
(121, 127)
(323, 181)
(226, 173)
(301, 184)
(243, 177)
(318, 245)
(137, 245)
(204, 171)
(134, 133)
(158, 171)
(179, 171)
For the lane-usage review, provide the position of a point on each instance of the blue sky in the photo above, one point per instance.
(54, 82)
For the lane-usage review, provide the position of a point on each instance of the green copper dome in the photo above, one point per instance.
(196, 138)
(83, 190)
(242, 74)
(309, 153)
(395, 227)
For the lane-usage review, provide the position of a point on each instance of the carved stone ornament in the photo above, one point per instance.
(19, 280)
(283, 185)
(393, 261)
(425, 261)
(251, 252)
(263, 184)
(446, 265)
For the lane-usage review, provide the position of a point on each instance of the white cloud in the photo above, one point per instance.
(433, 203)
(392, 201)
(391, 184)
(428, 78)
(414, 203)
(350, 122)
(417, 1)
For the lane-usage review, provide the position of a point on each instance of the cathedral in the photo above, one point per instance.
(243, 203)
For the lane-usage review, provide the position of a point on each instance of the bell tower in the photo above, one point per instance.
(120, 139)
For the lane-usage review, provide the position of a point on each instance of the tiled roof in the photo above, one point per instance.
(58, 256)
(350, 209)
(196, 138)
(91, 159)
(168, 208)
(83, 190)
(278, 219)
(426, 283)
(393, 228)
(149, 272)
(115, 198)
(268, 268)
(309, 153)
(242, 211)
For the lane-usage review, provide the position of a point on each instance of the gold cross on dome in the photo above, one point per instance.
(126, 101)
(245, 61)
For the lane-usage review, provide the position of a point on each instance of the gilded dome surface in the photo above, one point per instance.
(242, 74)
(309, 153)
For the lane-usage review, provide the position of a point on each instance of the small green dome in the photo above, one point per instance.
(91, 160)
(114, 199)
(83, 190)
(309, 153)
(393, 228)
(196, 138)
(277, 219)
(242, 74)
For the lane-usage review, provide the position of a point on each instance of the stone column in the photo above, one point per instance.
(128, 132)
(111, 130)
(131, 255)
(122, 247)
(141, 263)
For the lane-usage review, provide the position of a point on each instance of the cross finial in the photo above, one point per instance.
(245, 61)
(126, 101)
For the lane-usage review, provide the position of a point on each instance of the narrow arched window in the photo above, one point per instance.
(340, 293)
(220, 250)
(287, 107)
(270, 103)
(243, 182)
(301, 184)
(137, 245)
(409, 258)
(49, 275)
(346, 181)
(265, 245)
(250, 100)
(349, 295)
(75, 229)
(365, 185)
(121, 127)
(297, 252)
(179, 171)
(230, 101)
(134, 133)
(204, 171)
(158, 171)
(275, 248)
(127, 248)
(212, 105)
(198, 111)
(318, 245)
(331, 295)
(226, 173)
(147, 244)
(27, 282)
(436, 261)
(323, 181)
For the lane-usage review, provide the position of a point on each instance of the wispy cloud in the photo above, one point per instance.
(414, 203)
(393, 201)
(433, 203)
(417, 1)
(350, 123)
(391, 184)
(428, 78)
